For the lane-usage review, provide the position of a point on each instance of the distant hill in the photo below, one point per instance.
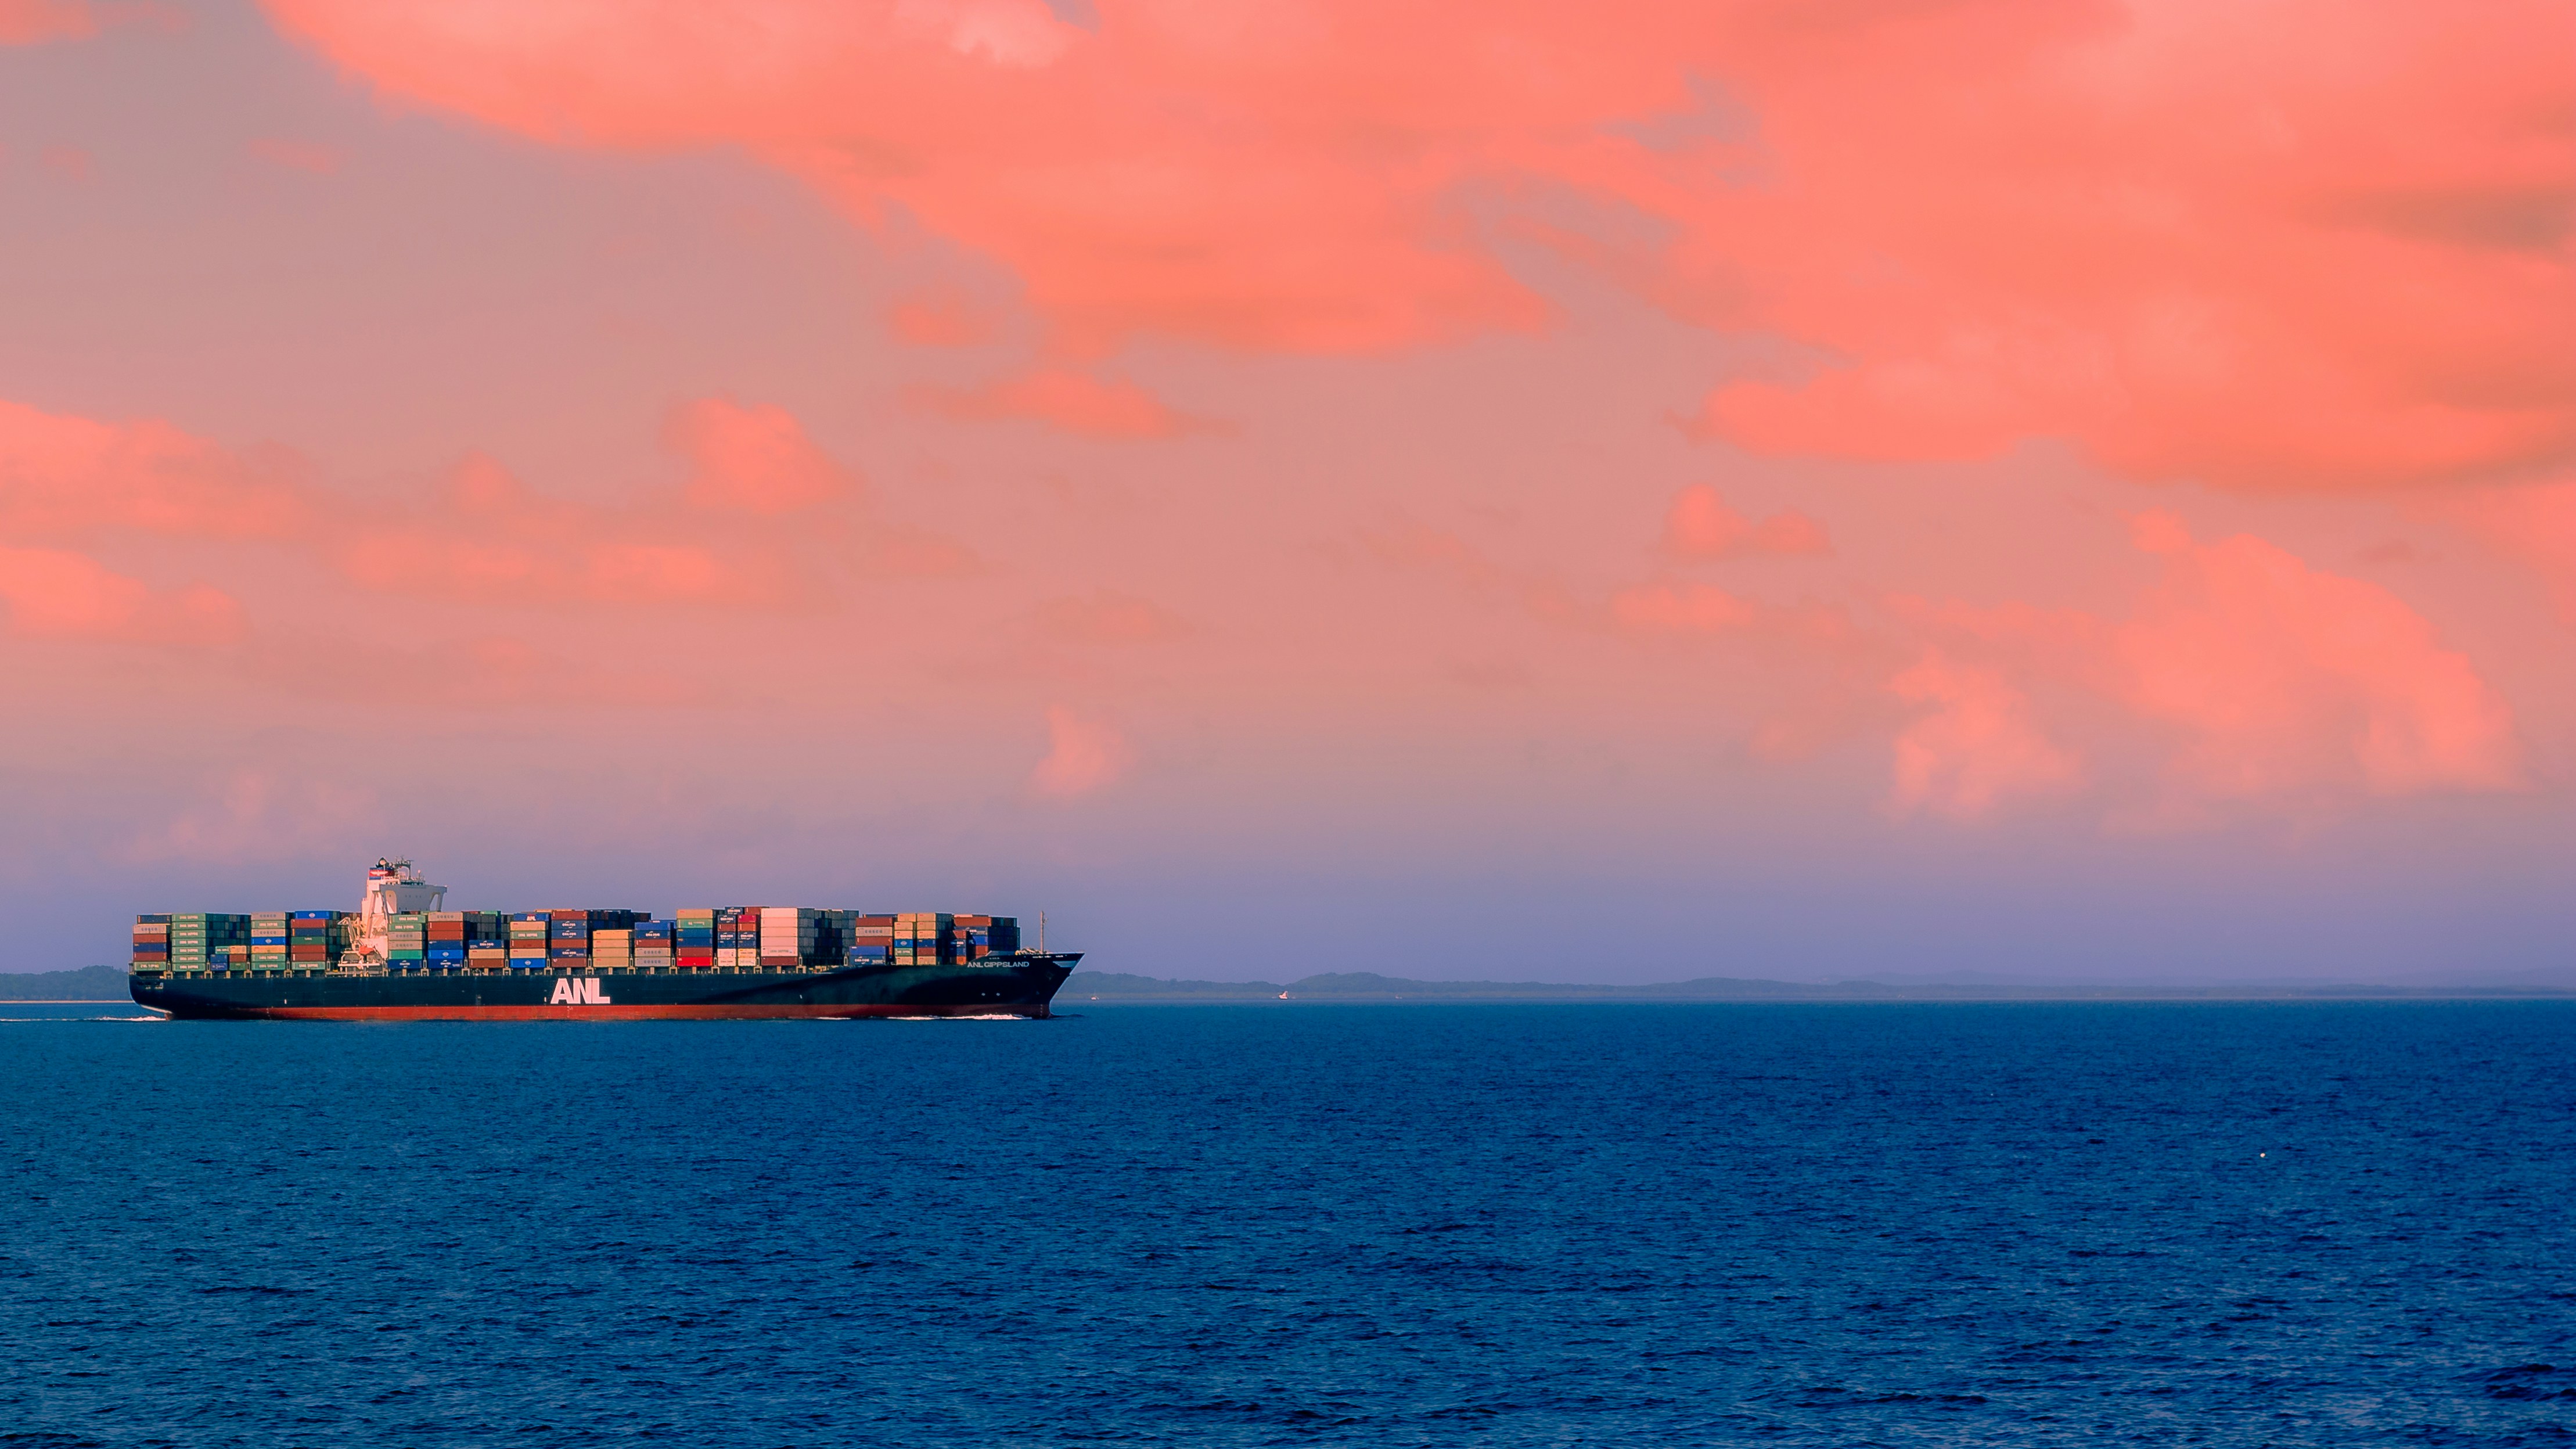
(1370, 986)
(1108, 984)
(89, 983)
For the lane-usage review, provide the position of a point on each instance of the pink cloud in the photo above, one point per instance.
(490, 538)
(2274, 685)
(1084, 755)
(2192, 239)
(1268, 181)
(1975, 747)
(57, 594)
(1701, 526)
(2289, 681)
(1019, 33)
(745, 531)
(645, 573)
(753, 459)
(33, 22)
(62, 474)
(36, 22)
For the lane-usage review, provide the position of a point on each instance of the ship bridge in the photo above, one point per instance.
(393, 888)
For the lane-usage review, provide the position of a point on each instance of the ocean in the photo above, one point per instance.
(1504, 1224)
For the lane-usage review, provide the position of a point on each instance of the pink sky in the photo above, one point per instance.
(1608, 492)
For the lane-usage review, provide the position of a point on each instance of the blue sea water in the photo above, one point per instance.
(1238, 1225)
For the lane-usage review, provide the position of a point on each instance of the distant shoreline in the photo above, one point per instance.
(1114, 987)
(2035, 998)
(84, 985)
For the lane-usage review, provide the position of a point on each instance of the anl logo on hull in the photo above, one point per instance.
(577, 991)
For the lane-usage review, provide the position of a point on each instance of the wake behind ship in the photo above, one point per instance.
(400, 957)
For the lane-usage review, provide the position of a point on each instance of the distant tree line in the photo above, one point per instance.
(89, 983)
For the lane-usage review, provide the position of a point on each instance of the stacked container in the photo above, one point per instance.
(151, 943)
(489, 949)
(528, 940)
(613, 949)
(447, 934)
(188, 941)
(314, 939)
(871, 940)
(653, 946)
(731, 932)
(831, 939)
(407, 940)
(268, 940)
(198, 940)
(922, 938)
(980, 936)
(693, 939)
(568, 939)
(789, 937)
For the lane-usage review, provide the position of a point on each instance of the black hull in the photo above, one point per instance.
(1020, 985)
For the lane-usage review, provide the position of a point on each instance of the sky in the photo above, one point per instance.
(2047, 489)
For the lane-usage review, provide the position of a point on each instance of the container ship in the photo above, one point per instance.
(402, 957)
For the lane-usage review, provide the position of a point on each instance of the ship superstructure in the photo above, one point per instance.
(394, 889)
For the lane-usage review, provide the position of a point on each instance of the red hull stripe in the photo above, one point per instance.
(716, 1011)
